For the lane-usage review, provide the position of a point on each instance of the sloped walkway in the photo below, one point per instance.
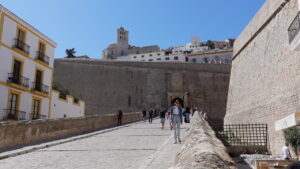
(135, 146)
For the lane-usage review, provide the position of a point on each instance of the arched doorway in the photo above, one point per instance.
(179, 99)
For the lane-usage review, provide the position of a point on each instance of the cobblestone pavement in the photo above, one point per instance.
(134, 146)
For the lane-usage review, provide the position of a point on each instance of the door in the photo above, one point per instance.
(17, 72)
(38, 80)
(36, 109)
(13, 106)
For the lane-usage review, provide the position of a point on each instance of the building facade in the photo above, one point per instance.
(265, 81)
(211, 56)
(66, 106)
(26, 69)
(122, 47)
(160, 56)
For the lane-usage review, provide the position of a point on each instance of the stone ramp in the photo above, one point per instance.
(139, 145)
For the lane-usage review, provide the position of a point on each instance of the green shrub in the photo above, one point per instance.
(292, 137)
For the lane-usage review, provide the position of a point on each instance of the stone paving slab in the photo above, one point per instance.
(135, 146)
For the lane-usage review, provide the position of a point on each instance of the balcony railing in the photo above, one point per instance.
(42, 57)
(294, 28)
(36, 86)
(35, 116)
(13, 114)
(21, 46)
(19, 80)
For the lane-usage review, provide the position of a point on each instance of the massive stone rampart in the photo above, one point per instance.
(107, 86)
(29, 132)
(265, 81)
(201, 149)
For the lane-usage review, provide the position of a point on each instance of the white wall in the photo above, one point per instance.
(7, 53)
(60, 107)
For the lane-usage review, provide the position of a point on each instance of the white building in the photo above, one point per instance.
(66, 106)
(194, 46)
(26, 58)
(160, 56)
(26, 70)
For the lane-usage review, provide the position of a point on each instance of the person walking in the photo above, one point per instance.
(162, 116)
(286, 152)
(144, 115)
(176, 115)
(120, 116)
(150, 116)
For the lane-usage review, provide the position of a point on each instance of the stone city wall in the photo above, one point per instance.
(107, 86)
(264, 82)
(201, 149)
(29, 132)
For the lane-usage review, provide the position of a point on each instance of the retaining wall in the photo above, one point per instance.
(22, 133)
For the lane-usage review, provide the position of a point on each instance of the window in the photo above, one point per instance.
(142, 56)
(175, 57)
(17, 72)
(42, 48)
(62, 96)
(12, 111)
(158, 59)
(150, 60)
(129, 101)
(194, 60)
(134, 57)
(38, 80)
(158, 54)
(36, 109)
(21, 35)
(167, 58)
(150, 55)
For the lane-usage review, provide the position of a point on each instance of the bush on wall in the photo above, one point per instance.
(292, 137)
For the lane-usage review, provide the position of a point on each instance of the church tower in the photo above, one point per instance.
(122, 41)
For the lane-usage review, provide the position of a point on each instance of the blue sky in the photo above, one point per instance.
(90, 26)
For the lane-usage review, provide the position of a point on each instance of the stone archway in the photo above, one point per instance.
(182, 96)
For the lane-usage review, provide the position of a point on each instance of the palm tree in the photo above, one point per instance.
(70, 53)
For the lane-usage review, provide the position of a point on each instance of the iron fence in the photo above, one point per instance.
(19, 44)
(243, 135)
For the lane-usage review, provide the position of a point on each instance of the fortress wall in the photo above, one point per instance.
(107, 86)
(265, 82)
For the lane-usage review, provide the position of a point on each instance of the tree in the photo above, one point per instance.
(70, 53)
(292, 137)
(210, 44)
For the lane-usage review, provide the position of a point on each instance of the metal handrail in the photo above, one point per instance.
(37, 86)
(35, 116)
(13, 114)
(17, 79)
(19, 44)
(42, 57)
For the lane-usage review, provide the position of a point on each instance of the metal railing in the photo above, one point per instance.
(13, 114)
(19, 80)
(243, 135)
(21, 45)
(42, 57)
(36, 86)
(34, 116)
(294, 28)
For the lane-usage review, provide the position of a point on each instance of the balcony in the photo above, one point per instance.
(36, 86)
(18, 44)
(19, 80)
(35, 116)
(13, 114)
(42, 57)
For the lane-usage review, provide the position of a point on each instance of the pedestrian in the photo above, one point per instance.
(168, 114)
(120, 116)
(150, 116)
(162, 116)
(144, 115)
(295, 165)
(286, 154)
(176, 115)
(187, 114)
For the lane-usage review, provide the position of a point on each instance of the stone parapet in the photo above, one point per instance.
(201, 149)
(21, 133)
